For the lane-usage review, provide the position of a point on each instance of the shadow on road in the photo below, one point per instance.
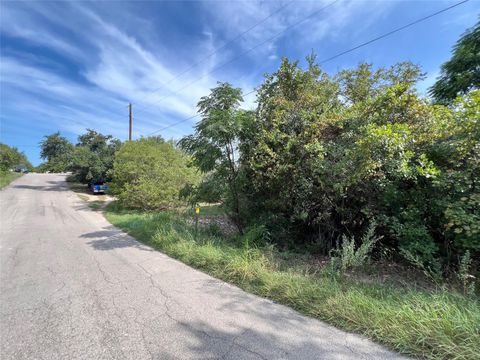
(280, 321)
(111, 238)
(206, 341)
(42, 188)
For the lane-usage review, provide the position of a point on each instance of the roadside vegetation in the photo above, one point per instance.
(6, 177)
(149, 173)
(430, 322)
(330, 182)
(90, 159)
(11, 157)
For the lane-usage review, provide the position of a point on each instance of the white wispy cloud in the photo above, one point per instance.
(17, 22)
(304, 19)
(121, 69)
(118, 64)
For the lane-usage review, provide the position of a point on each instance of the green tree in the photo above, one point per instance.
(364, 82)
(11, 156)
(149, 173)
(57, 151)
(457, 148)
(461, 73)
(214, 145)
(93, 156)
(285, 145)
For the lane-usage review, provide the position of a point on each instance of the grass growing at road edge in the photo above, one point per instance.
(6, 177)
(433, 325)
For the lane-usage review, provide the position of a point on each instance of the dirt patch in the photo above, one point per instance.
(222, 222)
(95, 201)
(384, 272)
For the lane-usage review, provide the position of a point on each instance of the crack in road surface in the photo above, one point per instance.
(74, 287)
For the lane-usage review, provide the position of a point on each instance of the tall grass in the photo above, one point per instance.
(6, 177)
(433, 325)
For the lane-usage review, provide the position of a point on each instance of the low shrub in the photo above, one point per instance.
(149, 173)
(349, 256)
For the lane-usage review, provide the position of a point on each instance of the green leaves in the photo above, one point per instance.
(214, 146)
(461, 73)
(324, 155)
(463, 221)
(57, 151)
(11, 157)
(149, 173)
(93, 156)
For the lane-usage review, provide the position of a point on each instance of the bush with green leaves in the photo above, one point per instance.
(149, 173)
(210, 190)
(324, 155)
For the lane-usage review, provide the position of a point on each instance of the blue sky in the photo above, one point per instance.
(68, 66)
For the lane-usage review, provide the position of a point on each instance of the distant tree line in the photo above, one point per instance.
(10, 157)
(90, 159)
(146, 174)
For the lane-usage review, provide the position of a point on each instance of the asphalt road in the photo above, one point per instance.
(74, 287)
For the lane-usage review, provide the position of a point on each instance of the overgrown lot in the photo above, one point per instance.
(433, 323)
(328, 172)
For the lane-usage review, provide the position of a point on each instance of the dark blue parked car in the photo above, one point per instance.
(97, 187)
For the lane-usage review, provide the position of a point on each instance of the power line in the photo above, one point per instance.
(235, 58)
(186, 119)
(343, 52)
(215, 51)
(174, 124)
(392, 32)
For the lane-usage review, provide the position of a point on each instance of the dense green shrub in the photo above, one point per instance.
(323, 156)
(149, 173)
(210, 190)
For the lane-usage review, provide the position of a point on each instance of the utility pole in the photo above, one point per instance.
(130, 122)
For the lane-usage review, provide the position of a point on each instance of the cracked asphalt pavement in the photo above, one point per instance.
(75, 287)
